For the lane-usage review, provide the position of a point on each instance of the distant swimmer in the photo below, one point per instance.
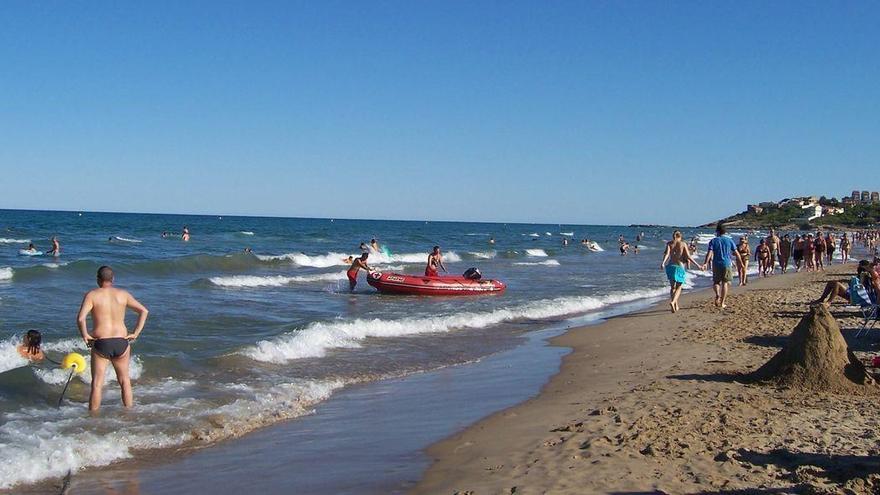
(56, 248)
(164, 234)
(110, 239)
(491, 240)
(356, 265)
(374, 245)
(30, 346)
(348, 260)
(565, 241)
(109, 339)
(624, 248)
(31, 249)
(185, 235)
(248, 250)
(435, 261)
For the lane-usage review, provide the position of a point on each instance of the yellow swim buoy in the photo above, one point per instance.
(75, 361)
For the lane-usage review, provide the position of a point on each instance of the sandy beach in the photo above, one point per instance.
(649, 403)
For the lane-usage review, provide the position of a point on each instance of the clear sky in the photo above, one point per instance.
(558, 112)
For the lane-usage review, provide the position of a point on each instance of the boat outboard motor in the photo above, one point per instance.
(472, 274)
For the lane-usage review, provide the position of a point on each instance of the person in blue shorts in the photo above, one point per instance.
(721, 253)
(676, 258)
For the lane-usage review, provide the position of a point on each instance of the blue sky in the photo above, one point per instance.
(558, 112)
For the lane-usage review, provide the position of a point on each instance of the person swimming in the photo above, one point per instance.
(31, 248)
(30, 346)
(491, 240)
(374, 245)
(185, 235)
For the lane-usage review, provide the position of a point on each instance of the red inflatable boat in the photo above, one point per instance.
(448, 285)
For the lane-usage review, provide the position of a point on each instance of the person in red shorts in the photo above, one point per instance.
(435, 262)
(356, 266)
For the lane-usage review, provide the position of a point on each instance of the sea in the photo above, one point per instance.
(252, 323)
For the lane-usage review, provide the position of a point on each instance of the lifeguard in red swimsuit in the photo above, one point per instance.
(356, 266)
(435, 261)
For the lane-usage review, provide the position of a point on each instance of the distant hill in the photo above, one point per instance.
(791, 217)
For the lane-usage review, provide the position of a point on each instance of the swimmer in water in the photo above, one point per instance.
(248, 250)
(365, 248)
(491, 240)
(31, 248)
(374, 245)
(185, 236)
(348, 260)
(30, 346)
(56, 248)
(355, 267)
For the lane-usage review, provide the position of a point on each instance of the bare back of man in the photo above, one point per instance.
(109, 338)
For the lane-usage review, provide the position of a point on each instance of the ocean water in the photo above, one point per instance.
(236, 341)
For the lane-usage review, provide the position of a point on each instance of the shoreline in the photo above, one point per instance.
(636, 405)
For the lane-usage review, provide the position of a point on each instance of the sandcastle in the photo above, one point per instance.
(816, 358)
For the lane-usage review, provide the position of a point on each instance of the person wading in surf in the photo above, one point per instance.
(355, 267)
(435, 261)
(109, 339)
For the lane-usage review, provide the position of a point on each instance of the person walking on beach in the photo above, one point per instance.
(762, 256)
(829, 247)
(809, 252)
(676, 258)
(797, 252)
(745, 252)
(773, 246)
(435, 263)
(109, 338)
(844, 248)
(820, 251)
(784, 252)
(356, 265)
(720, 252)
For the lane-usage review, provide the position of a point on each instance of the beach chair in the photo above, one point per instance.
(860, 297)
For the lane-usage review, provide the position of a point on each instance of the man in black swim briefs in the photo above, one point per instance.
(109, 338)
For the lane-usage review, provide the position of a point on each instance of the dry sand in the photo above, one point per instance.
(650, 402)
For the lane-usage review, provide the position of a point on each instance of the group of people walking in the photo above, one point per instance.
(805, 252)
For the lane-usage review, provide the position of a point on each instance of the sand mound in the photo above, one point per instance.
(816, 358)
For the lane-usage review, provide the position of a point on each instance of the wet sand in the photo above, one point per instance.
(647, 402)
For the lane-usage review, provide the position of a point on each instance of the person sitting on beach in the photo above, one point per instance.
(762, 256)
(720, 252)
(784, 252)
(676, 259)
(30, 346)
(745, 252)
(356, 265)
(435, 262)
(56, 248)
(109, 338)
(867, 276)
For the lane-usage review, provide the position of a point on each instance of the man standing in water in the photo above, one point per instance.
(435, 262)
(356, 265)
(678, 256)
(720, 252)
(109, 339)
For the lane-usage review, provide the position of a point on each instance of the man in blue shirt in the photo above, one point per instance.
(721, 252)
